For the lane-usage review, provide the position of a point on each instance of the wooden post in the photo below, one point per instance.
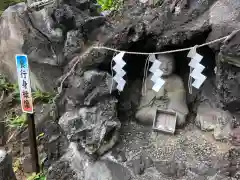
(33, 143)
(27, 105)
(2, 133)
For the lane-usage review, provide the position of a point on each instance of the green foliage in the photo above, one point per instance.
(45, 97)
(40, 136)
(158, 2)
(15, 121)
(5, 85)
(39, 176)
(17, 165)
(16, 93)
(5, 3)
(7, 88)
(113, 5)
(38, 96)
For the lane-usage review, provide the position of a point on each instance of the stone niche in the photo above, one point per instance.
(129, 98)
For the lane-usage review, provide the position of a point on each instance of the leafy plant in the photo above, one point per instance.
(40, 136)
(16, 165)
(16, 92)
(157, 2)
(16, 121)
(112, 5)
(39, 176)
(42, 96)
(7, 88)
(5, 3)
(5, 85)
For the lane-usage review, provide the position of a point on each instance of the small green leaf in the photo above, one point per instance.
(110, 4)
(40, 135)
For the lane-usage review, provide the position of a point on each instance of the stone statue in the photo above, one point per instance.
(171, 97)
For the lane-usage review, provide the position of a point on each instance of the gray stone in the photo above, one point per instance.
(230, 165)
(235, 136)
(221, 177)
(6, 170)
(54, 141)
(91, 117)
(93, 23)
(75, 164)
(61, 170)
(222, 132)
(73, 44)
(82, 4)
(87, 90)
(203, 169)
(93, 127)
(140, 164)
(228, 76)
(107, 170)
(206, 124)
(43, 21)
(171, 168)
(18, 36)
(224, 18)
(228, 80)
(148, 162)
(71, 166)
(137, 166)
(115, 156)
(216, 120)
(65, 15)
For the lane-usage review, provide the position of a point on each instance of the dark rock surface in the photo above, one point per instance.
(71, 165)
(103, 170)
(18, 36)
(55, 38)
(6, 170)
(73, 44)
(91, 117)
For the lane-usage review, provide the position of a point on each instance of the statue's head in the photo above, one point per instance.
(167, 64)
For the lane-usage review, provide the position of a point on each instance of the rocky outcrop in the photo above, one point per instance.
(71, 165)
(91, 116)
(40, 35)
(57, 39)
(18, 36)
(227, 78)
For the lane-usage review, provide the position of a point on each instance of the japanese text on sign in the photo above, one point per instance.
(24, 83)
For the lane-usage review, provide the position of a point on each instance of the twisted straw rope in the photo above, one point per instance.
(140, 53)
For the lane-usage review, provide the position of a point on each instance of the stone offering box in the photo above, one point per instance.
(165, 121)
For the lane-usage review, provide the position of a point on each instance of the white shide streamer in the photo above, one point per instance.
(157, 73)
(118, 68)
(197, 68)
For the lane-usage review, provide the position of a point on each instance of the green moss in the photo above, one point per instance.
(113, 5)
(5, 3)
